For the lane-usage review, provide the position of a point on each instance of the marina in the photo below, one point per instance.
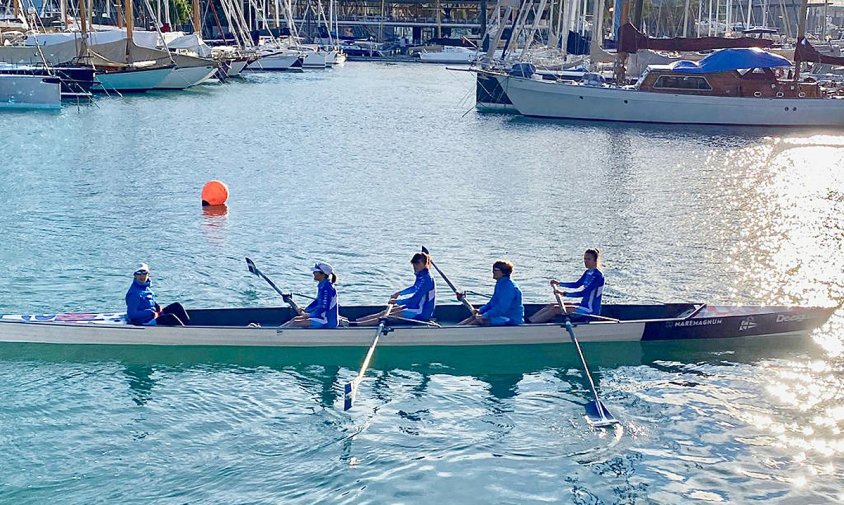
(712, 372)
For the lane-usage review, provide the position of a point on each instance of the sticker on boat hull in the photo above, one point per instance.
(68, 317)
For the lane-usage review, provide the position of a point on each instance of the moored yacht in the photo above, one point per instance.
(729, 87)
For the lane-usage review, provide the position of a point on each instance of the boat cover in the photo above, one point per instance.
(730, 59)
(632, 40)
(806, 52)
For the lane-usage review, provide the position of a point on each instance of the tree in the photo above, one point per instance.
(181, 10)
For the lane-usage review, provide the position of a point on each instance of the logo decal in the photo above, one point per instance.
(747, 324)
(792, 318)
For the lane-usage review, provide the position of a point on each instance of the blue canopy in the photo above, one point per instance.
(730, 59)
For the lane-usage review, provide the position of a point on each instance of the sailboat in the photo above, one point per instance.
(127, 76)
(735, 85)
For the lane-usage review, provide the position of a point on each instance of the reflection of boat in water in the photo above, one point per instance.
(258, 327)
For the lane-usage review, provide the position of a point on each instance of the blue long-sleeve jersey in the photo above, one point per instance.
(592, 282)
(506, 302)
(325, 307)
(421, 297)
(140, 302)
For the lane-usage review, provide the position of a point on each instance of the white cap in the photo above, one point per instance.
(142, 268)
(324, 268)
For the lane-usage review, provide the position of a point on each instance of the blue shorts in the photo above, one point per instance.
(412, 314)
(499, 321)
(317, 323)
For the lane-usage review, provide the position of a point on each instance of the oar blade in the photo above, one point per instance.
(252, 268)
(347, 396)
(598, 416)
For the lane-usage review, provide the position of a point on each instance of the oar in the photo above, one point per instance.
(285, 296)
(596, 412)
(452, 286)
(350, 390)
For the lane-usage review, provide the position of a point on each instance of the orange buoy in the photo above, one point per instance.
(214, 193)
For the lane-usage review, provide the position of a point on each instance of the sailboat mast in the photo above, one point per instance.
(197, 23)
(621, 57)
(130, 26)
(801, 34)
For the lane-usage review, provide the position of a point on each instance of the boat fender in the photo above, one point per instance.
(780, 94)
(757, 94)
(801, 94)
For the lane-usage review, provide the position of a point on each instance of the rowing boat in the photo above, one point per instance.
(251, 327)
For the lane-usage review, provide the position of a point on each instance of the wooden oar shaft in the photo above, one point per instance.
(287, 298)
(352, 387)
(463, 300)
(570, 330)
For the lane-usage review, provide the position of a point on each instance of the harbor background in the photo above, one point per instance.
(360, 166)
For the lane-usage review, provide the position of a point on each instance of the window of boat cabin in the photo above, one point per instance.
(682, 82)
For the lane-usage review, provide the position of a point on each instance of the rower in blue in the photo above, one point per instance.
(505, 307)
(416, 302)
(591, 285)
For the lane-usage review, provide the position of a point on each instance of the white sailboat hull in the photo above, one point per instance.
(131, 80)
(236, 67)
(549, 99)
(185, 77)
(314, 59)
(454, 55)
(335, 58)
(275, 62)
(29, 92)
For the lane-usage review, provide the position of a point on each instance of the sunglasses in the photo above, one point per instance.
(141, 272)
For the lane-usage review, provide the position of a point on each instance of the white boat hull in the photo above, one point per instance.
(335, 58)
(236, 67)
(29, 92)
(314, 59)
(549, 99)
(132, 80)
(275, 62)
(234, 329)
(185, 77)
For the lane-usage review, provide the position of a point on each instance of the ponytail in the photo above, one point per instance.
(420, 257)
(333, 278)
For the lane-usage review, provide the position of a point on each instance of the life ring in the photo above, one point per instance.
(780, 94)
(757, 94)
(801, 94)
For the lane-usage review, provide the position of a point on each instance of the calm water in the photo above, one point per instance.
(359, 166)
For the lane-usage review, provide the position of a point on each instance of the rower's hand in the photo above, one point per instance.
(555, 282)
(302, 312)
(561, 293)
(395, 296)
(460, 295)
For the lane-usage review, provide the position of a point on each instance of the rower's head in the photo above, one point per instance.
(502, 268)
(591, 258)
(324, 271)
(142, 273)
(420, 261)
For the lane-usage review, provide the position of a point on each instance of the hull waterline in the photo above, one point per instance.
(546, 99)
